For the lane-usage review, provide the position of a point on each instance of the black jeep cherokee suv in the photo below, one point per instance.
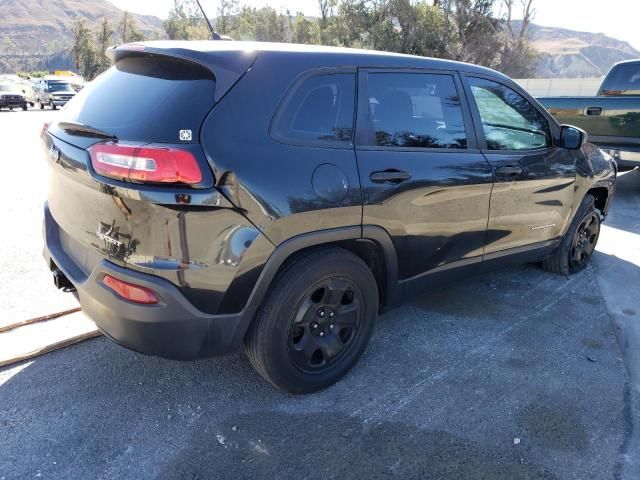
(209, 195)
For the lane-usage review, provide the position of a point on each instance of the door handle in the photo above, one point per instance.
(510, 171)
(594, 111)
(390, 175)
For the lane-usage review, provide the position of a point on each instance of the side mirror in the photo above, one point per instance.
(572, 138)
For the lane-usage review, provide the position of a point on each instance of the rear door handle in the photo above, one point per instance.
(594, 111)
(390, 175)
(510, 171)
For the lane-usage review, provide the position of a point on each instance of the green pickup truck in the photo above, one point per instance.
(612, 118)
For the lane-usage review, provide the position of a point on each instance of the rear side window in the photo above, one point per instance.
(509, 121)
(415, 110)
(623, 80)
(319, 110)
(146, 98)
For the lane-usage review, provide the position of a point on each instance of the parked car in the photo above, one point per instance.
(210, 195)
(12, 97)
(53, 92)
(612, 118)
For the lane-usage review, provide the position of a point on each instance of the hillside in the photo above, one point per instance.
(35, 34)
(570, 54)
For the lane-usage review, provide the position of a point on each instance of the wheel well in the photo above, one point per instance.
(368, 251)
(601, 195)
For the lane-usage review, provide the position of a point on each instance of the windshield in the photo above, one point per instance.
(60, 87)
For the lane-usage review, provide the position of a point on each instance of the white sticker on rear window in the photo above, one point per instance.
(186, 135)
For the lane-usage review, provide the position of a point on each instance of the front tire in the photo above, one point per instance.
(316, 321)
(577, 246)
(53, 106)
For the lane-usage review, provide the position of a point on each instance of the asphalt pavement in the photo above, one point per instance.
(517, 374)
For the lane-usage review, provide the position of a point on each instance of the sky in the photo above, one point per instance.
(616, 18)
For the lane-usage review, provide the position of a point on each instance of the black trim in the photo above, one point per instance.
(547, 244)
(442, 277)
(286, 249)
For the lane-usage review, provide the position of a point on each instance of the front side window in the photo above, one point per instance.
(416, 110)
(509, 121)
(320, 109)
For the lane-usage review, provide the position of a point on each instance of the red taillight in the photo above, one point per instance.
(45, 127)
(145, 164)
(129, 291)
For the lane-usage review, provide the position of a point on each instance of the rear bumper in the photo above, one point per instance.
(173, 328)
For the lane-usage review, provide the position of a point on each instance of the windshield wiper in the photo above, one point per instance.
(85, 130)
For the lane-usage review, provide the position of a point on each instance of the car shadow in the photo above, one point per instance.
(448, 388)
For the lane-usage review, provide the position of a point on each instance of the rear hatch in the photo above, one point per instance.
(126, 164)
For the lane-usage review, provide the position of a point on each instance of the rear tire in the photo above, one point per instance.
(41, 106)
(53, 106)
(315, 322)
(24, 108)
(577, 246)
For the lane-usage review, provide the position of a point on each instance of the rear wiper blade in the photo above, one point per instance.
(86, 130)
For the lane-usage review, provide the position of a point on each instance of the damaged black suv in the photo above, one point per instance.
(210, 195)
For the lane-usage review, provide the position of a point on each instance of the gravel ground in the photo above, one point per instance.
(512, 375)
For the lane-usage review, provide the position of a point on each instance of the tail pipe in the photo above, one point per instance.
(61, 281)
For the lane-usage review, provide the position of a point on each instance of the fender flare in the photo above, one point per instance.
(322, 237)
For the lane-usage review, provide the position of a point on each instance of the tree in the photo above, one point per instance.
(474, 33)
(128, 29)
(407, 27)
(305, 31)
(104, 41)
(185, 22)
(465, 30)
(326, 21)
(227, 12)
(264, 25)
(517, 57)
(84, 50)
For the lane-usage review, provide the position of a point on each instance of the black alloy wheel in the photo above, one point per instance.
(325, 324)
(316, 321)
(584, 241)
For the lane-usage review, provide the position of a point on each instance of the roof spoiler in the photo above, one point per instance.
(227, 66)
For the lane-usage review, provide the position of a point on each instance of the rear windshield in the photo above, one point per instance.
(624, 79)
(155, 99)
